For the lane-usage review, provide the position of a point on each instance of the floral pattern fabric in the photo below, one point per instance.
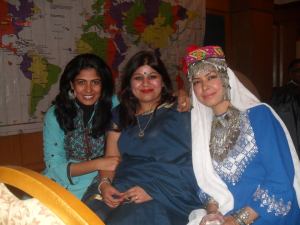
(31, 211)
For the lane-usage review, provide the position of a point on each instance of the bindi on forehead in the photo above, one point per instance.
(146, 73)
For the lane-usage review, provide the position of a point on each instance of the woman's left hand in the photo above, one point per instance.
(212, 218)
(184, 103)
(137, 195)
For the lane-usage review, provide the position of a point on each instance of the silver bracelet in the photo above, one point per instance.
(242, 216)
(102, 181)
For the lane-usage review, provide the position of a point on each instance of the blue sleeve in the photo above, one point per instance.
(274, 195)
(115, 118)
(54, 152)
(115, 101)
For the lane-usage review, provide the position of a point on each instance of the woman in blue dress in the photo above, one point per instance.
(154, 182)
(75, 125)
(244, 160)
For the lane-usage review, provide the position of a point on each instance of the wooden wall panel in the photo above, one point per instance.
(10, 152)
(286, 20)
(252, 44)
(257, 5)
(222, 8)
(217, 5)
(32, 150)
(241, 31)
(262, 55)
(23, 150)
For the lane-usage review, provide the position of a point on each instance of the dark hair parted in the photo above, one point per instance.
(129, 104)
(66, 109)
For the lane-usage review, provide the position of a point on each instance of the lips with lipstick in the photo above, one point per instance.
(146, 91)
(208, 95)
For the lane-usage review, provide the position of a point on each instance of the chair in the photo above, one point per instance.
(47, 193)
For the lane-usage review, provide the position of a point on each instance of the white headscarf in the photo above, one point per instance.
(208, 180)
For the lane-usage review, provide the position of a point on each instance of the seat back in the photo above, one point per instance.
(62, 203)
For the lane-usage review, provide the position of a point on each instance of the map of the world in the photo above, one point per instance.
(38, 38)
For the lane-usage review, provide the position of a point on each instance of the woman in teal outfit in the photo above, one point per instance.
(75, 125)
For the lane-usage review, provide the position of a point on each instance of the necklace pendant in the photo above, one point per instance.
(141, 134)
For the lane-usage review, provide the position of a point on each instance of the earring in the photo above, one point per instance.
(227, 93)
(71, 94)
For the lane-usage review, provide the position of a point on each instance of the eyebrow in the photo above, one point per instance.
(81, 79)
(198, 77)
(210, 73)
(87, 79)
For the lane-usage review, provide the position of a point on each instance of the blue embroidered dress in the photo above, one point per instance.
(75, 146)
(160, 163)
(259, 170)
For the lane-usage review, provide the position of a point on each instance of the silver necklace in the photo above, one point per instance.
(142, 130)
(225, 131)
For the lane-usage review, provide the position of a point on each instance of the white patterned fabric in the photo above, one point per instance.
(14, 211)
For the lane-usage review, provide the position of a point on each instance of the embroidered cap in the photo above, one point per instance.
(206, 57)
(202, 53)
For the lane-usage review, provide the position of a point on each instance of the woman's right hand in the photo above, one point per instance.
(111, 196)
(108, 163)
(212, 219)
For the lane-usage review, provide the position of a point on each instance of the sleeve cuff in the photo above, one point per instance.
(69, 173)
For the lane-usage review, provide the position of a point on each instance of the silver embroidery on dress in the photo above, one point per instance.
(278, 207)
(203, 196)
(242, 153)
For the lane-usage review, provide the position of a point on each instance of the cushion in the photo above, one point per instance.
(29, 211)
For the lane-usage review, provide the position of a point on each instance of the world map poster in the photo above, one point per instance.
(39, 37)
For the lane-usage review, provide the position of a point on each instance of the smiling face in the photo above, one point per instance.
(87, 86)
(146, 85)
(209, 90)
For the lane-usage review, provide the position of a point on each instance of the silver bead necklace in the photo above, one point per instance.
(224, 133)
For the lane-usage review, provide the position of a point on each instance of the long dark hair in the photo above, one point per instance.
(128, 102)
(66, 109)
